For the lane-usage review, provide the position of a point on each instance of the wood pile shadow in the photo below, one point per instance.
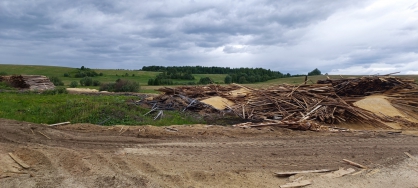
(30, 82)
(303, 107)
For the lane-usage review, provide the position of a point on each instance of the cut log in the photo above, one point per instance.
(339, 173)
(63, 123)
(44, 135)
(354, 164)
(19, 161)
(289, 173)
(296, 184)
(410, 156)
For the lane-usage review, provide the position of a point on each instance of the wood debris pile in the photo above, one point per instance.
(297, 107)
(368, 85)
(32, 82)
(300, 104)
(407, 103)
(187, 98)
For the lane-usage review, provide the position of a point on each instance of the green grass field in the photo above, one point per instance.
(104, 110)
(141, 77)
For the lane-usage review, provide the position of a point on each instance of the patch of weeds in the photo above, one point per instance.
(6, 86)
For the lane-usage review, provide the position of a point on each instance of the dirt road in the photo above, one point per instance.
(83, 155)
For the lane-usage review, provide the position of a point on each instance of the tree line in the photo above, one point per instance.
(237, 75)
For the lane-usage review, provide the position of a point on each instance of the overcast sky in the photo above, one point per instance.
(335, 36)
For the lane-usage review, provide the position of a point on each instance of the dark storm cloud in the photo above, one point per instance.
(290, 36)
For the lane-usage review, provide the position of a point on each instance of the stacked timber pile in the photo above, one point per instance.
(31, 82)
(368, 85)
(38, 82)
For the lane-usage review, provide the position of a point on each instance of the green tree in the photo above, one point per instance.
(314, 72)
(56, 81)
(205, 80)
(151, 82)
(228, 79)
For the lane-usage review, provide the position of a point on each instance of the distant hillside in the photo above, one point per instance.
(109, 75)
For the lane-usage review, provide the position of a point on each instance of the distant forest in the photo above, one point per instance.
(234, 75)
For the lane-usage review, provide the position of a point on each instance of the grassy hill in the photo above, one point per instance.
(109, 75)
(142, 77)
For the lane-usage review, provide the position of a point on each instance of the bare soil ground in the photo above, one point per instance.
(85, 155)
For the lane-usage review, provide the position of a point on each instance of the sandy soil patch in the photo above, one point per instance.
(82, 90)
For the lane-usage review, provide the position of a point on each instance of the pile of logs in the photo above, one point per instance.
(32, 82)
(38, 82)
(301, 103)
(298, 107)
(302, 107)
(16, 81)
(177, 102)
(368, 85)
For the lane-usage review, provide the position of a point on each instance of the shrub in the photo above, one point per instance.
(3, 73)
(151, 82)
(228, 79)
(205, 80)
(66, 74)
(86, 81)
(126, 86)
(74, 84)
(56, 81)
(96, 82)
(120, 86)
(107, 87)
(85, 72)
(57, 90)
